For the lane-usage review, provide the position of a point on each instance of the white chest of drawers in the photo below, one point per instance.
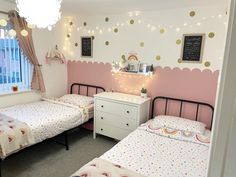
(117, 114)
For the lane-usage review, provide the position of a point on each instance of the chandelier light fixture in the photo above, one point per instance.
(41, 13)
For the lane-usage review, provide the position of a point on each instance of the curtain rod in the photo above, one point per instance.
(2, 12)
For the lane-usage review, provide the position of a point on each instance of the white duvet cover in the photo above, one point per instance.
(153, 155)
(47, 118)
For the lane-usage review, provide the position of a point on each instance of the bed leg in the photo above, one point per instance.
(66, 142)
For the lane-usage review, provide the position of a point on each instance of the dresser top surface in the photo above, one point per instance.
(122, 97)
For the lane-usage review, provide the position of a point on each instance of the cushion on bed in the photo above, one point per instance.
(79, 100)
(179, 123)
(181, 135)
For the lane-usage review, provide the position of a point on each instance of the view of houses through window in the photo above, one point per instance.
(15, 69)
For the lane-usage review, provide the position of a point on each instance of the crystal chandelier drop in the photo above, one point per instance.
(41, 13)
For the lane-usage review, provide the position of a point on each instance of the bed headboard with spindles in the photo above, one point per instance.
(181, 103)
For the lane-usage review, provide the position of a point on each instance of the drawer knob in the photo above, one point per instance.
(101, 129)
(127, 125)
(102, 118)
(102, 106)
(127, 112)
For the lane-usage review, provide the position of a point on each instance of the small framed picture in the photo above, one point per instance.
(87, 46)
(192, 48)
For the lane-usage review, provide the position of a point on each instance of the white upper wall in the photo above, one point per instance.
(146, 30)
(6, 5)
(105, 7)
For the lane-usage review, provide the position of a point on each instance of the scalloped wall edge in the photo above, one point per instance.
(174, 82)
(156, 67)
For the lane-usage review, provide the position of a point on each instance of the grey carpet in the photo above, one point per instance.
(49, 159)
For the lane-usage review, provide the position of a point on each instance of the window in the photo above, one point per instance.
(15, 69)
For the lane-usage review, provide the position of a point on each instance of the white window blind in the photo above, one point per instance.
(15, 69)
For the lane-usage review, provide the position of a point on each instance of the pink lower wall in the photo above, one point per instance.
(180, 83)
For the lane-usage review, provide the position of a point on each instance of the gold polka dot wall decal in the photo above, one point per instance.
(85, 24)
(107, 43)
(123, 57)
(207, 64)
(162, 31)
(76, 44)
(178, 42)
(71, 23)
(116, 30)
(179, 60)
(158, 57)
(68, 35)
(211, 35)
(107, 19)
(141, 44)
(192, 13)
(93, 37)
(131, 22)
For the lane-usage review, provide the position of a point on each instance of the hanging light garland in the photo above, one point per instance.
(134, 18)
(3, 22)
(41, 13)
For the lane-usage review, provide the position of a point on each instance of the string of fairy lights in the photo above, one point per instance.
(141, 81)
(134, 18)
(12, 32)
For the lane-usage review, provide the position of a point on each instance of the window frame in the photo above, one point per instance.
(22, 70)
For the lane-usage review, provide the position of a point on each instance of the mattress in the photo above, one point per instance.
(48, 119)
(90, 110)
(153, 155)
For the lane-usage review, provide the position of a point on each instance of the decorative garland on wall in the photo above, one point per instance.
(134, 18)
(12, 32)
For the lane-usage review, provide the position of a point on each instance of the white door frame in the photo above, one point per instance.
(225, 103)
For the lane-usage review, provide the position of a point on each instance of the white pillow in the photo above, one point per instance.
(179, 123)
(78, 100)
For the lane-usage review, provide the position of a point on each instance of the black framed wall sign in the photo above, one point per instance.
(87, 46)
(192, 48)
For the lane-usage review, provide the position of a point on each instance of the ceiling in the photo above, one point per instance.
(100, 7)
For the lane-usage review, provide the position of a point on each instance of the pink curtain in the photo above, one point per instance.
(27, 46)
